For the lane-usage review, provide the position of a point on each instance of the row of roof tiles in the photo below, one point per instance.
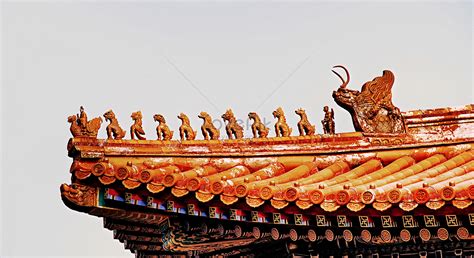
(428, 176)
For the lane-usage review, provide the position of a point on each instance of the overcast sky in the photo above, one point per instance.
(188, 57)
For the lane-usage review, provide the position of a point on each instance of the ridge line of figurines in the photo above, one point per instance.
(82, 127)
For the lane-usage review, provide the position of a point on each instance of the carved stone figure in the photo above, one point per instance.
(113, 129)
(371, 109)
(258, 126)
(208, 129)
(329, 126)
(162, 130)
(185, 130)
(79, 194)
(82, 127)
(136, 129)
(304, 126)
(281, 127)
(232, 127)
(82, 117)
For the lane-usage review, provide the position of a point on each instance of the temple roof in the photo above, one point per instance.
(408, 177)
(399, 170)
(429, 165)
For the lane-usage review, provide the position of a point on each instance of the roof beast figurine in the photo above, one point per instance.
(82, 126)
(162, 130)
(371, 109)
(281, 127)
(136, 129)
(258, 128)
(114, 131)
(304, 126)
(207, 128)
(185, 130)
(232, 127)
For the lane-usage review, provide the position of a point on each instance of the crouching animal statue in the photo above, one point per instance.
(207, 128)
(232, 127)
(304, 126)
(113, 129)
(162, 130)
(185, 130)
(258, 127)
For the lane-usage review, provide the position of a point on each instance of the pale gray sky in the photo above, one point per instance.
(189, 57)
